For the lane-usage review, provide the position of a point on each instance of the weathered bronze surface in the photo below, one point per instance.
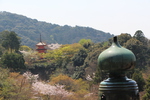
(116, 60)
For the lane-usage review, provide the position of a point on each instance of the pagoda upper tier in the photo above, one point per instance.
(41, 47)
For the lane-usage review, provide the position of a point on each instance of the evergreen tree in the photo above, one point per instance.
(137, 76)
(78, 59)
(98, 76)
(10, 41)
(13, 61)
(139, 50)
(147, 89)
(139, 35)
(122, 38)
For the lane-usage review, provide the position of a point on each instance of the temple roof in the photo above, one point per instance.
(41, 43)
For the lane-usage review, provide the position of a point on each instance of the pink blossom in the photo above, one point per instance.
(32, 78)
(47, 89)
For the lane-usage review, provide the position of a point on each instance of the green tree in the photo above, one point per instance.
(25, 48)
(122, 39)
(79, 72)
(85, 42)
(11, 41)
(78, 58)
(137, 76)
(2, 50)
(147, 90)
(14, 86)
(139, 50)
(98, 76)
(139, 35)
(2, 35)
(64, 53)
(91, 62)
(13, 61)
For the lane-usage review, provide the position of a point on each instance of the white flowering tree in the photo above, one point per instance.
(45, 88)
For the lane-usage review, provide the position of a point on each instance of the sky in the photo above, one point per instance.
(113, 16)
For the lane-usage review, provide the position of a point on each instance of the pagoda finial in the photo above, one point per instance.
(40, 38)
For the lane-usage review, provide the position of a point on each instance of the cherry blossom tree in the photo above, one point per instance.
(45, 88)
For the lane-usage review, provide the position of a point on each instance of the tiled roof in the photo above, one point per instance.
(41, 43)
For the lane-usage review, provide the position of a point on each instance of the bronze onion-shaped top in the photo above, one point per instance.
(116, 58)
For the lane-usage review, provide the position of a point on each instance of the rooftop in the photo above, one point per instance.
(41, 43)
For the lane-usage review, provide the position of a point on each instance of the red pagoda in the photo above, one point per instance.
(41, 46)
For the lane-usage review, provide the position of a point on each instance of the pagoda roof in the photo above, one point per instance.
(41, 43)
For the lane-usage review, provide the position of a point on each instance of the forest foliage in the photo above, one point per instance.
(30, 29)
(68, 72)
(80, 62)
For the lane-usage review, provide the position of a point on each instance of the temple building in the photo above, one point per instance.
(41, 46)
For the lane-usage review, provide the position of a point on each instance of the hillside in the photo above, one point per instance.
(30, 29)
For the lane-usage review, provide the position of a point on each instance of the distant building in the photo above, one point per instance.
(41, 46)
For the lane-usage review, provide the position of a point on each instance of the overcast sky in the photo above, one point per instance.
(113, 16)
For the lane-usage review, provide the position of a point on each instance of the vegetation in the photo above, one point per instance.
(10, 41)
(67, 73)
(30, 29)
(147, 90)
(13, 61)
(137, 76)
(81, 62)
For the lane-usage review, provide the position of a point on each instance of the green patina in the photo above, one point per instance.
(116, 60)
